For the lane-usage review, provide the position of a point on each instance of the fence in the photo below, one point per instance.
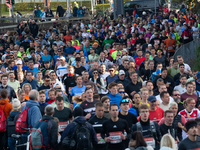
(188, 51)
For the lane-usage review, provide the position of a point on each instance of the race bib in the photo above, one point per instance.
(115, 137)
(157, 41)
(63, 125)
(70, 89)
(176, 144)
(69, 55)
(185, 37)
(101, 141)
(170, 48)
(150, 141)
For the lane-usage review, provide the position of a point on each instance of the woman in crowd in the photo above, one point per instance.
(27, 88)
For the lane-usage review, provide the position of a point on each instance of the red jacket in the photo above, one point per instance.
(186, 35)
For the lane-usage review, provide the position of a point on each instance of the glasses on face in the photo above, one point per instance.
(121, 92)
(111, 70)
(95, 72)
(125, 101)
(47, 80)
(177, 94)
(52, 83)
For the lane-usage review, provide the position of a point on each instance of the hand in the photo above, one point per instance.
(107, 139)
(133, 93)
(123, 137)
(98, 85)
(66, 94)
(180, 125)
(88, 116)
(167, 85)
(61, 76)
(185, 71)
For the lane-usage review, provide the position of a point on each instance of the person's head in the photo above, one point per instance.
(181, 67)
(152, 102)
(194, 73)
(198, 123)
(52, 82)
(106, 102)
(114, 110)
(164, 73)
(78, 111)
(175, 64)
(99, 109)
(11, 75)
(183, 79)
(51, 94)
(79, 80)
(144, 112)
(70, 70)
(21, 95)
(169, 117)
(133, 76)
(191, 127)
(30, 64)
(162, 87)
(42, 96)
(137, 140)
(149, 85)
(34, 95)
(176, 96)
(85, 76)
(29, 75)
(189, 104)
(4, 94)
(53, 75)
(4, 79)
(46, 80)
(89, 94)
(121, 74)
(137, 98)
(144, 93)
(124, 105)
(59, 103)
(164, 97)
(173, 106)
(16, 105)
(113, 88)
(189, 87)
(168, 141)
(39, 75)
(112, 70)
(49, 110)
(180, 59)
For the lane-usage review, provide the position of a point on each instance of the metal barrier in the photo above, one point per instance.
(188, 51)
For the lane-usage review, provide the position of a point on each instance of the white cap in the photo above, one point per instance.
(62, 58)
(149, 45)
(121, 72)
(19, 62)
(124, 49)
(16, 104)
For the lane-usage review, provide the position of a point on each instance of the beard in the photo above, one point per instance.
(177, 100)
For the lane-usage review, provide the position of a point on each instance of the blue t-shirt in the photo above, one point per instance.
(34, 70)
(115, 99)
(77, 91)
(46, 58)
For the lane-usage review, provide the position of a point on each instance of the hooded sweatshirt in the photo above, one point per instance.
(8, 107)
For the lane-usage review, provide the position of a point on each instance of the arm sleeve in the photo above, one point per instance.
(183, 120)
(35, 116)
(94, 137)
(14, 94)
(161, 121)
(54, 136)
(103, 133)
(158, 131)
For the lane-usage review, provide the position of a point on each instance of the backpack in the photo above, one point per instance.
(11, 126)
(80, 139)
(2, 119)
(39, 136)
(22, 121)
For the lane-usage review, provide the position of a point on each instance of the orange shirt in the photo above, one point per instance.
(170, 44)
(68, 37)
(26, 97)
(8, 107)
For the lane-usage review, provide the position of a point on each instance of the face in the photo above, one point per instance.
(27, 88)
(52, 82)
(164, 73)
(145, 94)
(176, 95)
(113, 90)
(21, 96)
(47, 81)
(144, 113)
(166, 98)
(59, 94)
(4, 80)
(79, 80)
(174, 108)
(51, 95)
(106, 104)
(191, 105)
(121, 77)
(11, 76)
(89, 94)
(85, 76)
(29, 76)
(114, 111)
(149, 86)
(99, 111)
(169, 118)
(183, 80)
(39, 75)
(60, 105)
(53, 76)
(134, 77)
(189, 88)
(194, 74)
(175, 65)
(31, 65)
(124, 107)
(112, 71)
(180, 60)
(181, 68)
(42, 98)
(137, 98)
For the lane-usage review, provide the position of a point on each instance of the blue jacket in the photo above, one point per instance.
(69, 50)
(70, 129)
(115, 99)
(23, 67)
(80, 12)
(34, 114)
(33, 83)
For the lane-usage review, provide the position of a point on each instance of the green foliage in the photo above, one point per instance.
(99, 7)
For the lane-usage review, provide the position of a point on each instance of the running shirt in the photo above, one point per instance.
(61, 70)
(77, 91)
(187, 144)
(156, 115)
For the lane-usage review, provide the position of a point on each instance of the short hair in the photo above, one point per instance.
(112, 84)
(181, 65)
(59, 99)
(33, 94)
(42, 92)
(183, 75)
(179, 56)
(29, 72)
(96, 96)
(39, 72)
(168, 111)
(149, 81)
(104, 98)
(4, 94)
(162, 94)
(173, 104)
(57, 90)
(98, 104)
(161, 85)
(143, 89)
(159, 80)
(78, 77)
(51, 90)
(143, 106)
(189, 83)
(49, 110)
(133, 72)
(113, 105)
(46, 76)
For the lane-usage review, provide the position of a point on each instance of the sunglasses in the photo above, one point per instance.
(121, 92)
(52, 83)
(125, 101)
(47, 80)
(111, 70)
(177, 94)
(95, 72)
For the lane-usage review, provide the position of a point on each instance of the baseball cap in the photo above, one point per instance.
(7, 57)
(152, 98)
(121, 72)
(159, 50)
(149, 45)
(62, 58)
(156, 33)
(113, 33)
(19, 62)
(46, 61)
(124, 101)
(26, 59)
(198, 75)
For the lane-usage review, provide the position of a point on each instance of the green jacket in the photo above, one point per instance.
(114, 54)
(177, 37)
(172, 71)
(107, 42)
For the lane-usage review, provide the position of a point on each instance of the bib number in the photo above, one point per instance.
(150, 141)
(115, 137)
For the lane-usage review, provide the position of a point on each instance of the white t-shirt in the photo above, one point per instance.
(61, 70)
(196, 31)
(164, 107)
(104, 76)
(187, 67)
(180, 89)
